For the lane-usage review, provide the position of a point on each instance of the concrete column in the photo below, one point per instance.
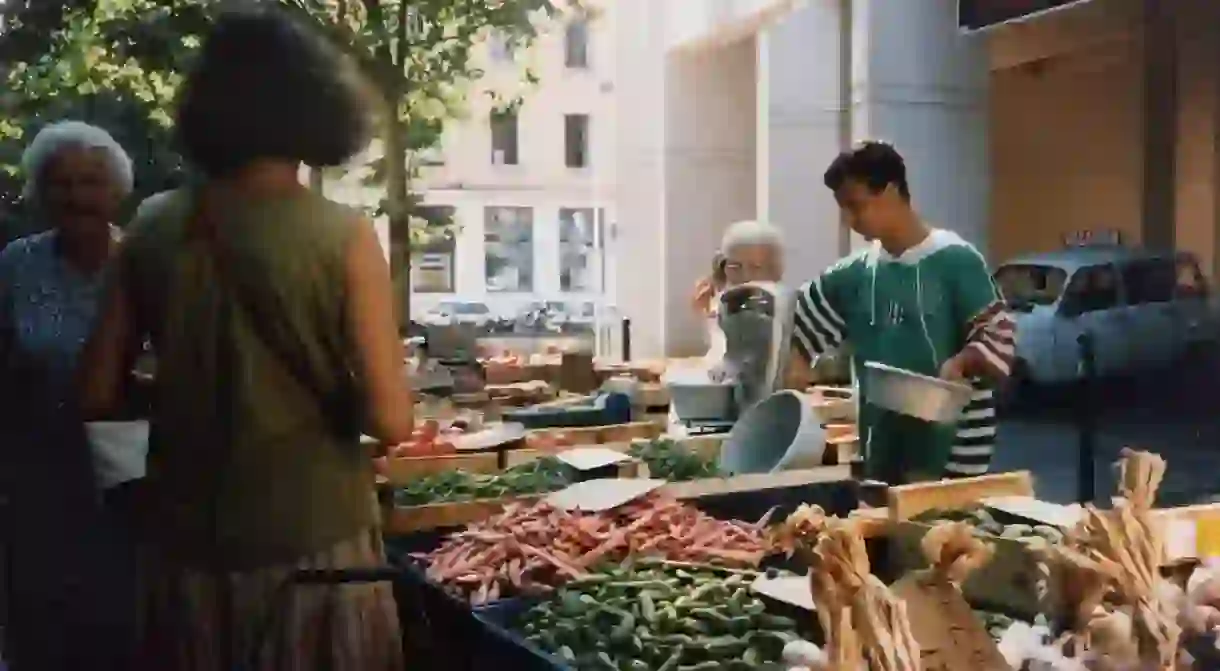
(710, 110)
(919, 84)
(546, 251)
(802, 125)
(639, 247)
(1161, 90)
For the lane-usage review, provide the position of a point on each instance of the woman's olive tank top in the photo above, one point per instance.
(255, 456)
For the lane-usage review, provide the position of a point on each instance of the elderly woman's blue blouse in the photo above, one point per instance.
(48, 309)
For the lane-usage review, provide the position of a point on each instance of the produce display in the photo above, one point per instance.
(996, 623)
(656, 616)
(984, 523)
(540, 476)
(533, 548)
(671, 461)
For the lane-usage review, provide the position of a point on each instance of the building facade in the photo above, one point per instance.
(1100, 115)
(526, 188)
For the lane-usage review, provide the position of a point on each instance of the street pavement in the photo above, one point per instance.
(1173, 413)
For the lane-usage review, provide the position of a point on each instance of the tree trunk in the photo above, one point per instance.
(399, 215)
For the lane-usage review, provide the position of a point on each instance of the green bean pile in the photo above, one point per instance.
(673, 462)
(541, 476)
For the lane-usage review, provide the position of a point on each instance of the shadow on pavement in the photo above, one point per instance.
(1172, 412)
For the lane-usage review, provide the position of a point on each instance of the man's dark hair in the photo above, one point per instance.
(876, 165)
(265, 87)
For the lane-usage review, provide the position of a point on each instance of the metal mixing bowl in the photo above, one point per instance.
(928, 398)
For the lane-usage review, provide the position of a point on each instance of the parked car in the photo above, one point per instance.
(1144, 309)
(458, 312)
(581, 317)
(539, 317)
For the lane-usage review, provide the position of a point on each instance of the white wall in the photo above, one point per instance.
(1066, 148)
(710, 158)
(801, 126)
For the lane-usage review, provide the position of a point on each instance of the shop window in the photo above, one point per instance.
(434, 259)
(576, 140)
(580, 250)
(504, 141)
(508, 241)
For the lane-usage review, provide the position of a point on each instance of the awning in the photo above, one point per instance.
(975, 15)
(707, 24)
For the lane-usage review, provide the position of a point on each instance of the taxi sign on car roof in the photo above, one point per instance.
(1089, 238)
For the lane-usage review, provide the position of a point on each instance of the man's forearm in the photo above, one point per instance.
(991, 344)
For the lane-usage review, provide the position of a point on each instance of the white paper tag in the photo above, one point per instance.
(794, 590)
(489, 437)
(602, 494)
(591, 458)
(1181, 539)
(1045, 512)
(119, 450)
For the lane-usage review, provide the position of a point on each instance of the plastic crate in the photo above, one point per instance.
(505, 649)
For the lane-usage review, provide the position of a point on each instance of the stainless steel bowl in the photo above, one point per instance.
(701, 401)
(928, 398)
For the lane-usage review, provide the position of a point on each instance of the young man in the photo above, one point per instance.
(918, 298)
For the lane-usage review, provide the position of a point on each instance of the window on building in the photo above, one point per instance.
(576, 140)
(576, 44)
(434, 259)
(508, 243)
(504, 138)
(498, 48)
(580, 250)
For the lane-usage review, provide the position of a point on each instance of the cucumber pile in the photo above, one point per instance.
(659, 617)
(985, 524)
(540, 476)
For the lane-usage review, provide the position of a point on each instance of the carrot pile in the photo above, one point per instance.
(530, 549)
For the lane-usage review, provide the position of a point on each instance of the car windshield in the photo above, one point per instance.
(472, 309)
(1026, 285)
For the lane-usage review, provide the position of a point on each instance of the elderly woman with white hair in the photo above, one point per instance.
(77, 178)
(750, 251)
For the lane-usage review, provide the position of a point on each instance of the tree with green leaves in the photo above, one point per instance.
(118, 63)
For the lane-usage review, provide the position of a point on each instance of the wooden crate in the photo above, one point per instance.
(756, 482)
(399, 471)
(397, 521)
(652, 395)
(599, 435)
(907, 501)
(1008, 582)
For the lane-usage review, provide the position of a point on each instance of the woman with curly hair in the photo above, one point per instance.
(270, 313)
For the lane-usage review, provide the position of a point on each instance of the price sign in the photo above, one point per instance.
(975, 15)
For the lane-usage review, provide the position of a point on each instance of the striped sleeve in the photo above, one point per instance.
(987, 325)
(991, 340)
(976, 433)
(818, 327)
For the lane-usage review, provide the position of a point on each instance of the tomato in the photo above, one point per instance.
(429, 429)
